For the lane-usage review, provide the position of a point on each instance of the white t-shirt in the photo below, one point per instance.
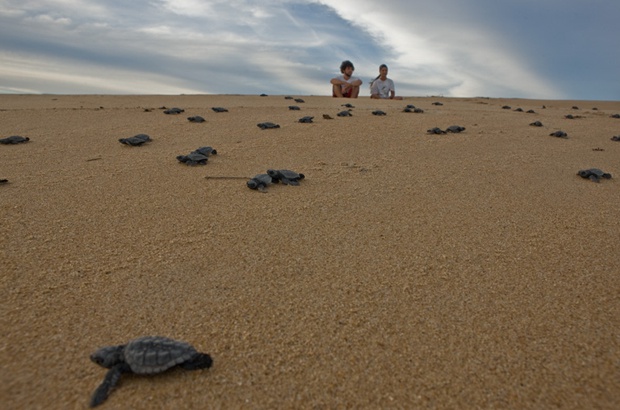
(350, 80)
(382, 88)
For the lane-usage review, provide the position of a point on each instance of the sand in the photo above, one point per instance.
(408, 270)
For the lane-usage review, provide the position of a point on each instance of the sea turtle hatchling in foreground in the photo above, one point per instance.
(307, 119)
(536, 124)
(286, 176)
(14, 139)
(144, 356)
(219, 109)
(594, 174)
(136, 140)
(344, 114)
(378, 112)
(196, 118)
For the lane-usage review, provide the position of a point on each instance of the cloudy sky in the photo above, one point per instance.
(558, 49)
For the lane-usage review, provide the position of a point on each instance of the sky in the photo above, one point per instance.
(548, 49)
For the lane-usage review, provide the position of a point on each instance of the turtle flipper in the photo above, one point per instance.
(287, 181)
(201, 361)
(594, 178)
(109, 382)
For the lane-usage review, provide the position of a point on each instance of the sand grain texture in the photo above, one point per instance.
(471, 270)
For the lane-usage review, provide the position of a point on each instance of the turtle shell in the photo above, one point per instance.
(155, 354)
(14, 139)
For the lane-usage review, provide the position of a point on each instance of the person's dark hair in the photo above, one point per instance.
(345, 64)
(377, 77)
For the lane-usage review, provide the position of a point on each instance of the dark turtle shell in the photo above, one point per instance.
(155, 354)
(136, 140)
(436, 130)
(267, 125)
(559, 134)
(286, 176)
(455, 129)
(174, 110)
(260, 182)
(193, 158)
(306, 119)
(14, 139)
(196, 118)
(378, 112)
(344, 114)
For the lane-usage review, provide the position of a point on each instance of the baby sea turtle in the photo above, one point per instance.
(299, 100)
(294, 108)
(348, 105)
(436, 130)
(575, 107)
(594, 174)
(145, 356)
(410, 106)
(344, 114)
(455, 129)
(506, 107)
(306, 119)
(378, 112)
(437, 103)
(416, 110)
(196, 118)
(519, 109)
(536, 124)
(614, 116)
(286, 176)
(174, 110)
(193, 158)
(267, 125)
(219, 109)
(327, 117)
(205, 151)
(263, 95)
(136, 140)
(260, 182)
(4, 181)
(288, 97)
(531, 112)
(14, 139)
(559, 134)
(615, 138)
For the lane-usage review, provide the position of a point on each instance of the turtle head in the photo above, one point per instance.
(108, 356)
(253, 184)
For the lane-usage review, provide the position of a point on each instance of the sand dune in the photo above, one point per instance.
(408, 270)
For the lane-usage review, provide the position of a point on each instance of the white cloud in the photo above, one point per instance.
(446, 47)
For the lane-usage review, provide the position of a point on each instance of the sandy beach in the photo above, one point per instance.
(407, 270)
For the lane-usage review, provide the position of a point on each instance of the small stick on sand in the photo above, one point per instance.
(225, 177)
(93, 159)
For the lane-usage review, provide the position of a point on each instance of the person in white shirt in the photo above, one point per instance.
(345, 85)
(383, 87)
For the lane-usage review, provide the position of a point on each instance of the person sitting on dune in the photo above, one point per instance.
(345, 85)
(383, 87)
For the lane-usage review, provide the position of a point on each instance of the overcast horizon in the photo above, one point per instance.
(479, 48)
